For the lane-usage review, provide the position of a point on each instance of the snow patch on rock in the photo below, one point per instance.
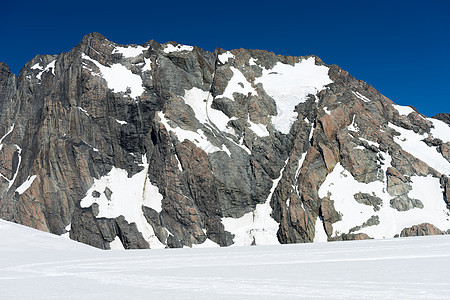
(147, 66)
(371, 143)
(19, 152)
(238, 84)
(361, 97)
(130, 51)
(119, 78)
(412, 143)
(169, 48)
(290, 85)
(116, 244)
(128, 196)
(121, 122)
(197, 100)
(441, 130)
(37, 66)
(256, 227)
(403, 110)
(353, 127)
(6, 134)
(320, 236)
(83, 110)
(51, 65)
(252, 62)
(259, 129)
(224, 57)
(67, 234)
(26, 184)
(197, 137)
(200, 102)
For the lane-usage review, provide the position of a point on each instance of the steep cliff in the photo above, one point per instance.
(170, 146)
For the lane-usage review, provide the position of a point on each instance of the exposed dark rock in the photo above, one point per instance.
(397, 184)
(108, 193)
(404, 203)
(152, 218)
(368, 199)
(445, 183)
(421, 230)
(129, 235)
(351, 237)
(329, 215)
(374, 220)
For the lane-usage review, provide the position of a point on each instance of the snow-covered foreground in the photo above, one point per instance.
(37, 265)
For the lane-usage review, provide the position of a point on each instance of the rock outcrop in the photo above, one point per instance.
(421, 230)
(167, 145)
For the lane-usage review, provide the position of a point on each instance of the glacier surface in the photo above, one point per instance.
(38, 265)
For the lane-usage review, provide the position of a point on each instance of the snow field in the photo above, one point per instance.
(342, 187)
(51, 267)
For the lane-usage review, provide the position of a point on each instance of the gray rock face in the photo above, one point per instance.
(374, 220)
(368, 199)
(404, 203)
(167, 145)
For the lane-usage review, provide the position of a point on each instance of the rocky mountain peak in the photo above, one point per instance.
(88, 38)
(4, 68)
(167, 145)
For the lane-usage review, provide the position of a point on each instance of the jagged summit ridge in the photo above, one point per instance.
(169, 146)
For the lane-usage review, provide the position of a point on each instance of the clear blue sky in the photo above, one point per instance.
(402, 48)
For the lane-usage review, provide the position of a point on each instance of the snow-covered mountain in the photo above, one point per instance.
(38, 265)
(154, 146)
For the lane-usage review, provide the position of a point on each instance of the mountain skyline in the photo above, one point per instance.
(396, 47)
(175, 146)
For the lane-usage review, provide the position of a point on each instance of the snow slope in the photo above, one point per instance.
(38, 265)
(290, 85)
